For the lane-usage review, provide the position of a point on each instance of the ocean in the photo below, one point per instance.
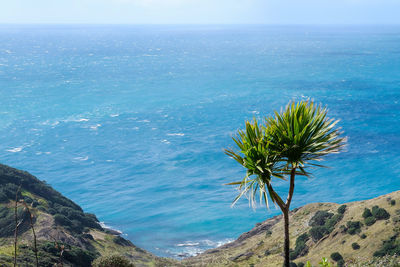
(130, 122)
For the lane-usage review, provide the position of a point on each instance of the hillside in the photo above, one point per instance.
(317, 230)
(58, 222)
(358, 231)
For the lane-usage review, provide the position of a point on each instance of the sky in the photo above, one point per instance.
(201, 11)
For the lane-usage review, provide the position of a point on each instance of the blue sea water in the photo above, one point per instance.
(130, 121)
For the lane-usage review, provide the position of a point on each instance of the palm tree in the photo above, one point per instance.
(290, 141)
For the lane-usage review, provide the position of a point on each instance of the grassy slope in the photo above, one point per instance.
(84, 239)
(263, 245)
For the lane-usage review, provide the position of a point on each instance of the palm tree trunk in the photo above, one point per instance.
(287, 242)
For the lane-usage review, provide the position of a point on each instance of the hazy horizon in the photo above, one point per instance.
(139, 12)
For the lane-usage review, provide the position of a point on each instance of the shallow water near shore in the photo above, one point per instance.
(130, 122)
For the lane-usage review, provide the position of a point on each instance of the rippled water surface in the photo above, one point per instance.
(130, 121)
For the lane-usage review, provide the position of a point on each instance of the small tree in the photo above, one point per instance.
(289, 142)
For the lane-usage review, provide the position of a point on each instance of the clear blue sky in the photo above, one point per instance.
(201, 11)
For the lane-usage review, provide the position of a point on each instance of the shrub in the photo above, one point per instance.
(336, 256)
(293, 264)
(380, 213)
(342, 209)
(320, 218)
(340, 263)
(3, 197)
(300, 264)
(363, 236)
(79, 256)
(355, 246)
(7, 223)
(301, 248)
(112, 261)
(369, 221)
(392, 202)
(331, 222)
(61, 220)
(318, 232)
(367, 213)
(353, 227)
(389, 247)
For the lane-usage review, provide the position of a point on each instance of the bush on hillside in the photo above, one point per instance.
(79, 256)
(320, 218)
(331, 222)
(7, 221)
(355, 246)
(112, 261)
(353, 227)
(301, 248)
(367, 213)
(389, 247)
(336, 256)
(380, 213)
(363, 236)
(318, 232)
(342, 209)
(369, 221)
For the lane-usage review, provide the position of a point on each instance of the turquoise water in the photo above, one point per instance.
(130, 121)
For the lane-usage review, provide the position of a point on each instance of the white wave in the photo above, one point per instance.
(16, 149)
(51, 123)
(102, 224)
(166, 141)
(82, 158)
(176, 134)
(40, 153)
(188, 244)
(95, 127)
(80, 120)
(114, 115)
(145, 121)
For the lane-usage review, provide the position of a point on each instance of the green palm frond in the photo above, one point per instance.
(303, 134)
(255, 155)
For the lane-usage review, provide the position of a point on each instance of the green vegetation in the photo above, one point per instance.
(355, 246)
(380, 213)
(363, 236)
(112, 261)
(67, 213)
(342, 209)
(353, 227)
(336, 256)
(289, 142)
(301, 248)
(65, 234)
(369, 221)
(367, 213)
(389, 247)
(323, 223)
(377, 213)
(7, 223)
(320, 217)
